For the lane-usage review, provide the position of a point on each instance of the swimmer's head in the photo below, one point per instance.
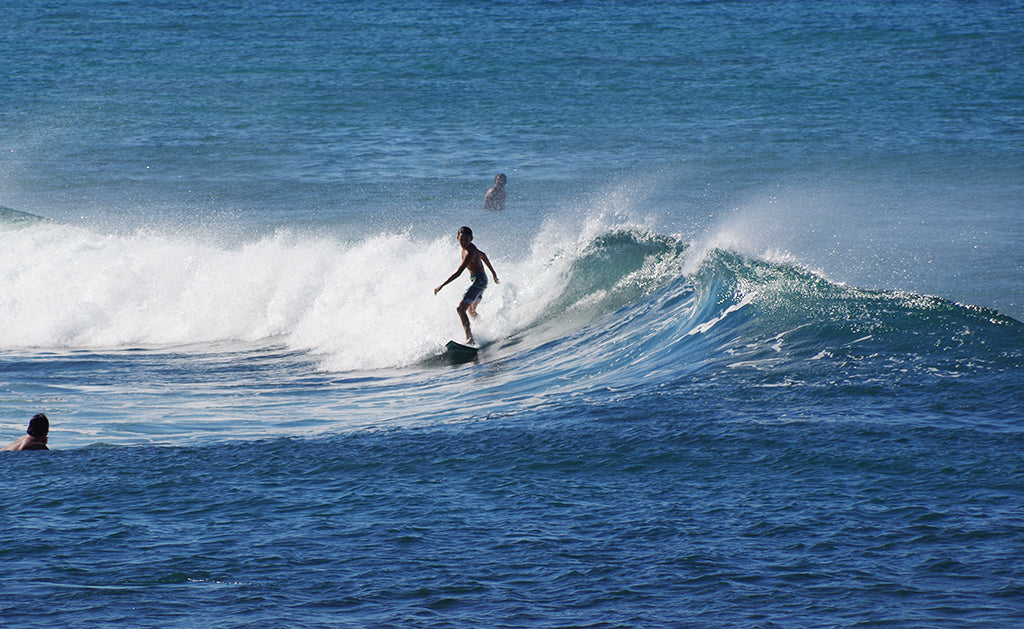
(38, 426)
(501, 179)
(467, 231)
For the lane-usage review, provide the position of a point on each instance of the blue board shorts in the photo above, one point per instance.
(476, 291)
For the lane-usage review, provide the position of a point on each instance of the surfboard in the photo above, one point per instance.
(459, 352)
(454, 353)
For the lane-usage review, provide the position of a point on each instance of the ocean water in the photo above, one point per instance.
(756, 356)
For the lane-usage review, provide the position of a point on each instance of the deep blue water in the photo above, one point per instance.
(755, 359)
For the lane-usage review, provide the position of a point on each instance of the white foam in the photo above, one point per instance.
(358, 304)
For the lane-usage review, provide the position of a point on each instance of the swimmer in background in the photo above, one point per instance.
(495, 197)
(35, 439)
(474, 260)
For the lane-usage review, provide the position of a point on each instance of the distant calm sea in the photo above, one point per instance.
(756, 357)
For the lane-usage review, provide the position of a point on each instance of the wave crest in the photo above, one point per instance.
(623, 296)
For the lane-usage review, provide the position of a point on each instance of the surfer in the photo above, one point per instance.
(495, 197)
(35, 439)
(474, 260)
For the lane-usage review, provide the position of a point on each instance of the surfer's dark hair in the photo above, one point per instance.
(467, 231)
(38, 426)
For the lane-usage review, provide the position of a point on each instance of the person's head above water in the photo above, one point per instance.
(38, 426)
(500, 179)
(465, 231)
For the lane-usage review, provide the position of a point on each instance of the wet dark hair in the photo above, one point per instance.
(38, 426)
(467, 231)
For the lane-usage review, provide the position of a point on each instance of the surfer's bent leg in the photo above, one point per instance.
(465, 320)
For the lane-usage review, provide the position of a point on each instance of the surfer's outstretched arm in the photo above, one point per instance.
(483, 256)
(462, 267)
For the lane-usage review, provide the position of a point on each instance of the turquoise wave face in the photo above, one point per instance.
(745, 322)
(631, 276)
